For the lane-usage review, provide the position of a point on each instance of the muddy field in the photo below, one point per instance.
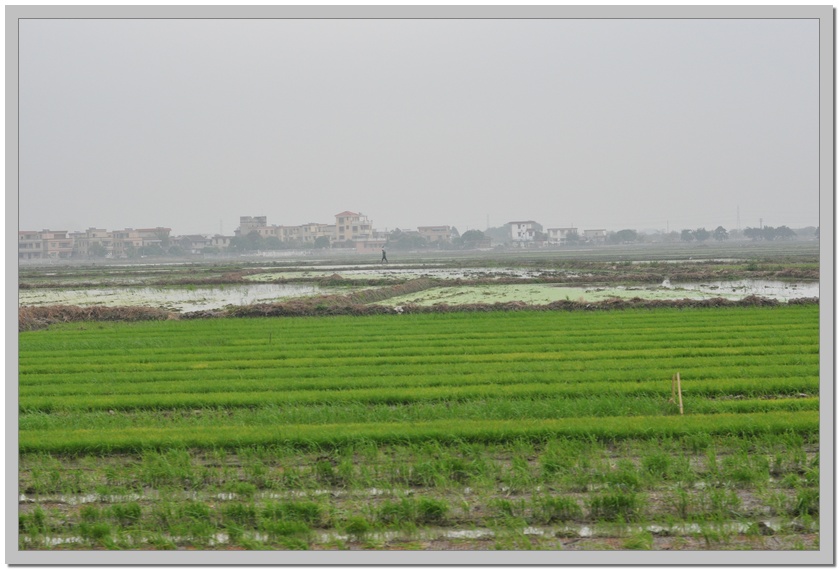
(782, 272)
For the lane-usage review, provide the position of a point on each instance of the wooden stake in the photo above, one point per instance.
(672, 390)
(679, 384)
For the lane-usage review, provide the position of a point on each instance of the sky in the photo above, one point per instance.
(595, 124)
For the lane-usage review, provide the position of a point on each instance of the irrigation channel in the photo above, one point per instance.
(332, 420)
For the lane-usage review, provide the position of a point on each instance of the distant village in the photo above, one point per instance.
(351, 232)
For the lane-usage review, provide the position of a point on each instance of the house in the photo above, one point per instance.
(126, 242)
(248, 224)
(220, 242)
(435, 234)
(310, 232)
(594, 236)
(29, 245)
(371, 245)
(94, 242)
(195, 243)
(352, 226)
(522, 233)
(560, 236)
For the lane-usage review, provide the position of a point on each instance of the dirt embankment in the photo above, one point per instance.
(32, 318)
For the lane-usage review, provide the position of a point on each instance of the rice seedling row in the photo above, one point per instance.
(379, 432)
(691, 493)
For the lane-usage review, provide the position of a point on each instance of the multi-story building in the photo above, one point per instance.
(595, 236)
(94, 242)
(434, 234)
(194, 243)
(126, 242)
(220, 241)
(56, 244)
(29, 245)
(561, 236)
(351, 226)
(311, 232)
(306, 233)
(524, 232)
(247, 224)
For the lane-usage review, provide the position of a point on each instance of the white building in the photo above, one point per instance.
(524, 232)
(560, 236)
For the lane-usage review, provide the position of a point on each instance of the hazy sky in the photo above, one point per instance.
(609, 124)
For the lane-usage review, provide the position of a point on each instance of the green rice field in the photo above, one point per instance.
(497, 430)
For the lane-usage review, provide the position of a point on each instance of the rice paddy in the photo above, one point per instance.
(498, 430)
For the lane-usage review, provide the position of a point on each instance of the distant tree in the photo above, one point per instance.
(272, 242)
(701, 234)
(96, 249)
(238, 244)
(163, 236)
(624, 236)
(322, 242)
(720, 234)
(254, 241)
(497, 235)
(472, 238)
(176, 250)
(406, 241)
(785, 233)
(131, 251)
(753, 233)
(768, 233)
(152, 250)
(687, 235)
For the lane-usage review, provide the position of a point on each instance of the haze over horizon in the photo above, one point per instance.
(609, 124)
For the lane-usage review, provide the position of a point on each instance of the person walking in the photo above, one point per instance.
(384, 256)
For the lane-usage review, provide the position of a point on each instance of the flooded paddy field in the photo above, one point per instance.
(182, 299)
(547, 293)
(783, 272)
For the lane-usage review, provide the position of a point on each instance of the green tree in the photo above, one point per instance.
(785, 233)
(238, 244)
(272, 242)
(497, 235)
(152, 250)
(405, 241)
(322, 242)
(624, 236)
(254, 241)
(720, 234)
(753, 233)
(472, 238)
(701, 234)
(687, 235)
(96, 249)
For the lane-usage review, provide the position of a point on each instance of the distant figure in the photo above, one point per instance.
(384, 256)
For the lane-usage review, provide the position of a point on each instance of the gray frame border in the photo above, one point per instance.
(825, 556)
